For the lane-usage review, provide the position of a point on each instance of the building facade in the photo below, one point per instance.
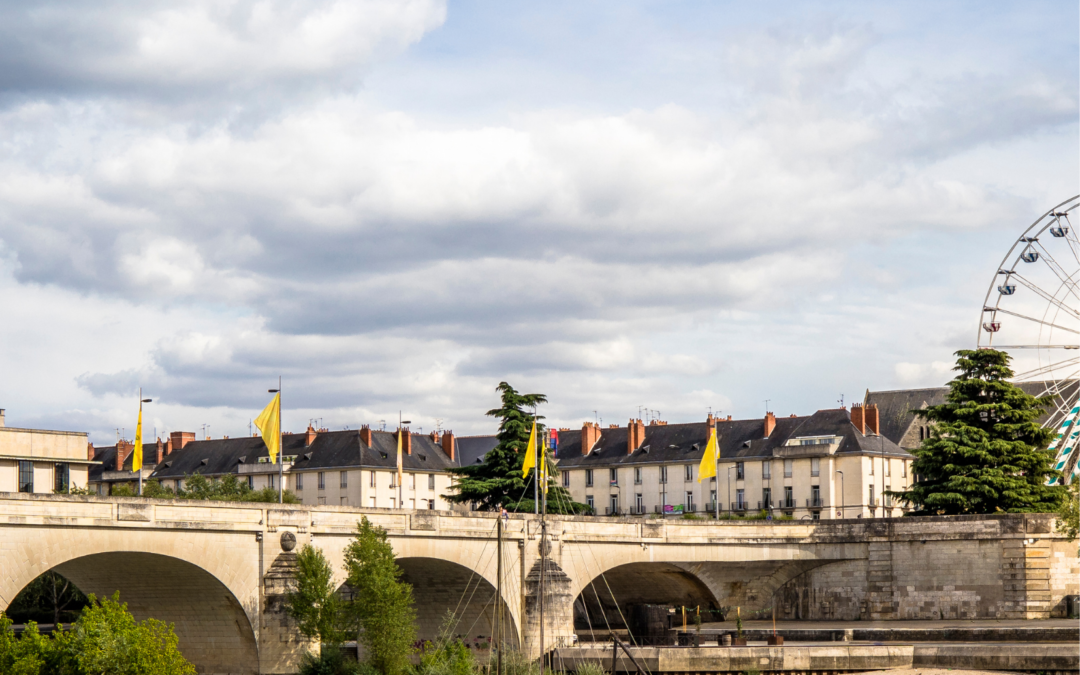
(832, 464)
(42, 461)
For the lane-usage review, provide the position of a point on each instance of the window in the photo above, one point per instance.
(344, 501)
(270, 477)
(26, 476)
(740, 500)
(412, 481)
(888, 466)
(871, 466)
(613, 475)
(663, 474)
(344, 479)
(566, 479)
(903, 469)
(789, 497)
(815, 515)
(689, 503)
(61, 477)
(179, 484)
(614, 504)
(886, 498)
(871, 495)
(372, 498)
(787, 467)
(589, 502)
(637, 475)
(766, 498)
(815, 466)
(431, 481)
(712, 499)
(588, 477)
(740, 472)
(371, 480)
(815, 496)
(766, 469)
(322, 480)
(639, 503)
(251, 481)
(688, 472)
(431, 504)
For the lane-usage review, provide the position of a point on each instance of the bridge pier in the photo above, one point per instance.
(558, 600)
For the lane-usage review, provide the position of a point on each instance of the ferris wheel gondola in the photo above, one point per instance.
(1032, 311)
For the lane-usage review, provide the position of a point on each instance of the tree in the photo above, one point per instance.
(50, 598)
(986, 452)
(315, 604)
(1069, 513)
(105, 639)
(382, 603)
(498, 482)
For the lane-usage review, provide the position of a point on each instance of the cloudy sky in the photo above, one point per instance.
(396, 204)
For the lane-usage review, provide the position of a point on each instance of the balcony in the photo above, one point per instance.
(788, 503)
(739, 506)
(815, 503)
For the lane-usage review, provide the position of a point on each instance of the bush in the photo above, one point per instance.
(447, 657)
(328, 662)
(590, 668)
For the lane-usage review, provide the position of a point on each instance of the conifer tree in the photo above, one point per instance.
(986, 452)
(498, 482)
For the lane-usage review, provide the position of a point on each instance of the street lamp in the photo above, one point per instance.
(141, 401)
(843, 511)
(729, 470)
(400, 475)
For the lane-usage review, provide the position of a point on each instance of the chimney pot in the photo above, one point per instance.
(858, 419)
(90, 452)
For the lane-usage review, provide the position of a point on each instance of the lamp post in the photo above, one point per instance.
(141, 401)
(843, 510)
(281, 449)
(401, 475)
(729, 470)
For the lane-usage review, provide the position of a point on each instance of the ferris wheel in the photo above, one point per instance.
(1032, 311)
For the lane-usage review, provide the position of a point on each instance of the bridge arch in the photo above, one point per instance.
(608, 599)
(196, 587)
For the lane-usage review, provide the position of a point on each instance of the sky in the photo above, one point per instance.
(635, 208)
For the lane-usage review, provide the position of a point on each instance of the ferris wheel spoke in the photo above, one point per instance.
(1045, 323)
(1070, 237)
(1046, 296)
(1049, 368)
(1057, 270)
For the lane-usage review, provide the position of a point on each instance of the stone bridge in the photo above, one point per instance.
(219, 571)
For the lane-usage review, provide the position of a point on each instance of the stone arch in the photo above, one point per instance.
(211, 625)
(609, 599)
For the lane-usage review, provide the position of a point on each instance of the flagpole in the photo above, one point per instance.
(536, 472)
(716, 474)
(400, 475)
(281, 450)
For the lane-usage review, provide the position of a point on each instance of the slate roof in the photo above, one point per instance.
(738, 439)
(330, 449)
(894, 407)
(472, 449)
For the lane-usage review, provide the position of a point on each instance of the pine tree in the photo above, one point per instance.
(986, 452)
(498, 482)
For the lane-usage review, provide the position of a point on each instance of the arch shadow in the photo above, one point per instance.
(613, 599)
(211, 625)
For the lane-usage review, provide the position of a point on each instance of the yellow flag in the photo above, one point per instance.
(530, 453)
(707, 468)
(136, 455)
(269, 424)
(400, 460)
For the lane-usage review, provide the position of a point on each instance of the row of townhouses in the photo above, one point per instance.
(833, 463)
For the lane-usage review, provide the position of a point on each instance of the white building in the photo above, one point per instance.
(37, 460)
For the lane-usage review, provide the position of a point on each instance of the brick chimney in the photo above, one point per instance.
(590, 434)
(90, 452)
(1, 417)
(635, 435)
(770, 424)
(181, 438)
(448, 444)
(309, 437)
(873, 421)
(123, 450)
(159, 449)
(858, 419)
(406, 440)
(365, 434)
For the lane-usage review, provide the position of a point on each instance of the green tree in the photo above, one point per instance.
(382, 603)
(50, 598)
(315, 604)
(229, 488)
(986, 452)
(1069, 513)
(497, 482)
